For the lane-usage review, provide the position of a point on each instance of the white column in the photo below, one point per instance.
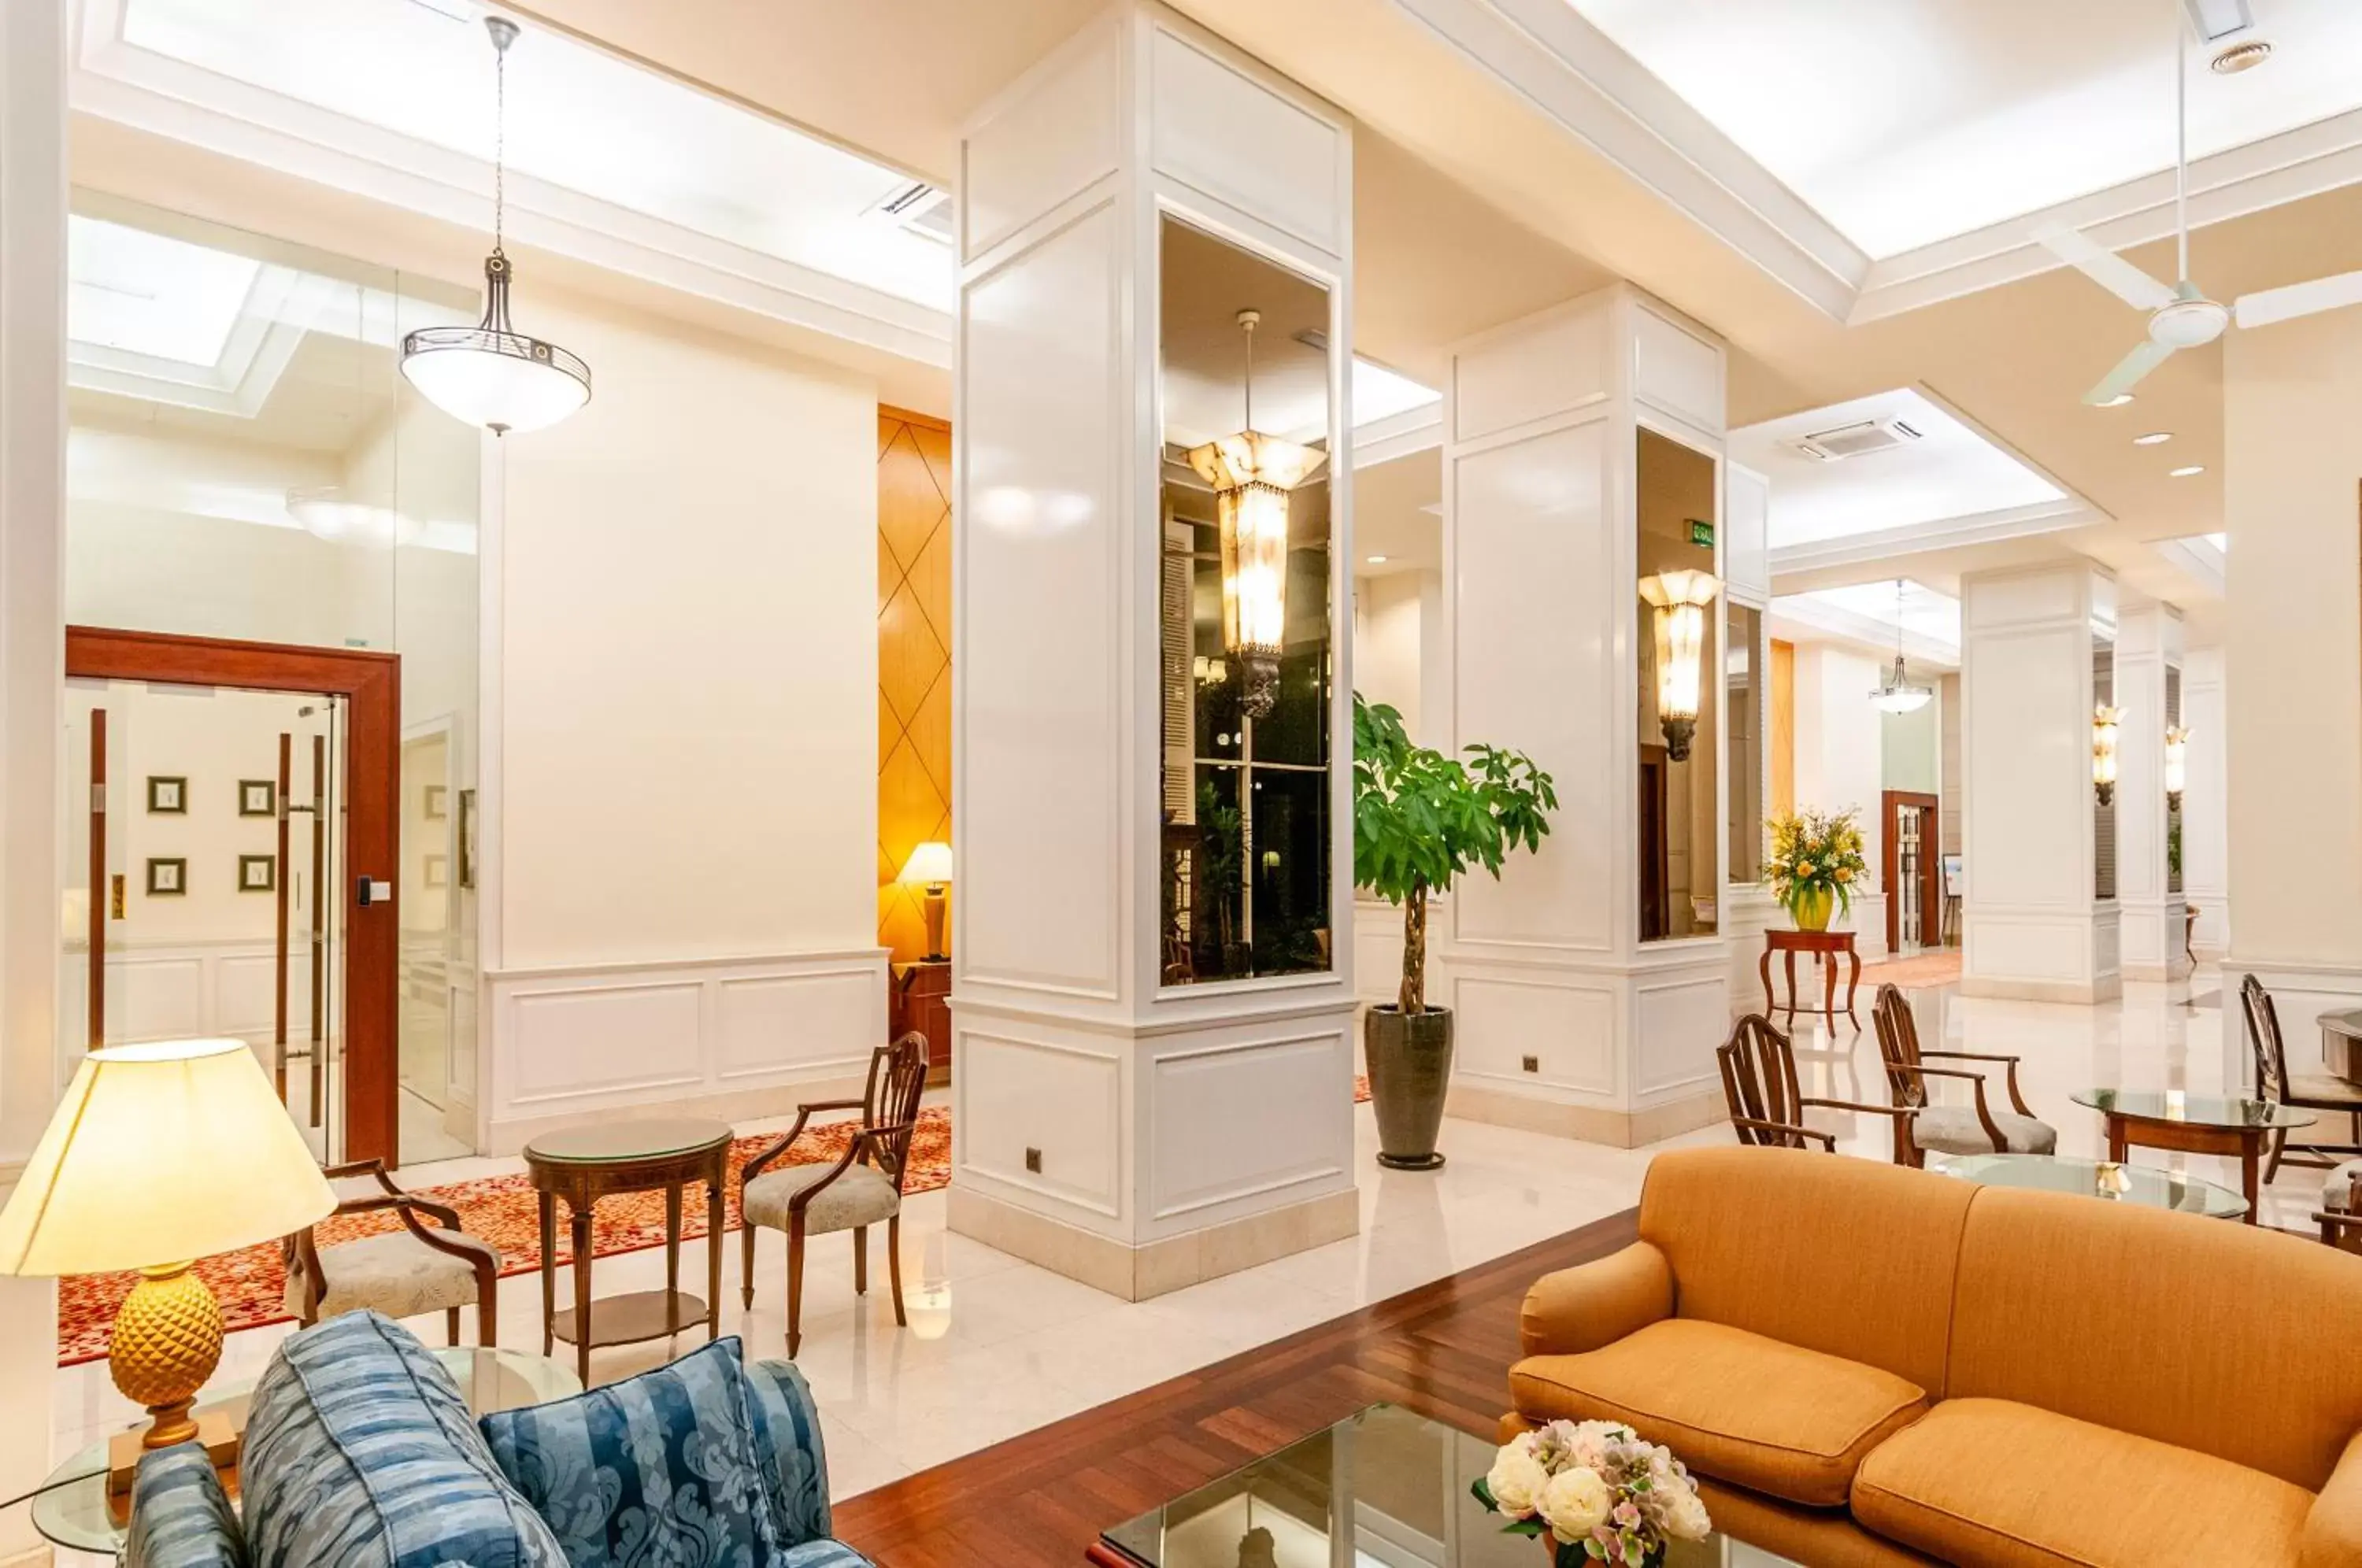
(2205, 806)
(1840, 761)
(1566, 1021)
(32, 663)
(1134, 1135)
(2033, 925)
(1748, 907)
(2148, 645)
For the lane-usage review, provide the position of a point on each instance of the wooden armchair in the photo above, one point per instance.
(1975, 1129)
(862, 1188)
(403, 1273)
(1767, 1101)
(2276, 1084)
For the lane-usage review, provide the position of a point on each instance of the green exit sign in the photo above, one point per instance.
(1701, 532)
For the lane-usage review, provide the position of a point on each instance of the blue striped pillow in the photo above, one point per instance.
(795, 1465)
(662, 1468)
(360, 1453)
(180, 1515)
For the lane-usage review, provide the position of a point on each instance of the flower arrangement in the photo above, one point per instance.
(1815, 859)
(1595, 1493)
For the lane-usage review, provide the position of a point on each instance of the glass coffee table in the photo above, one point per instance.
(77, 1514)
(2097, 1178)
(1386, 1486)
(2194, 1124)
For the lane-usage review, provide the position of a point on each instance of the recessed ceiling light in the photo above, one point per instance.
(2154, 438)
(2117, 402)
(1376, 560)
(2241, 57)
(2186, 473)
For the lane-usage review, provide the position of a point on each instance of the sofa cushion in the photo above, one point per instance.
(1850, 1257)
(360, 1453)
(1986, 1481)
(181, 1517)
(789, 1450)
(2163, 1325)
(1729, 1404)
(661, 1468)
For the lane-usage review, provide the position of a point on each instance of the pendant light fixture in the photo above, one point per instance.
(1252, 474)
(491, 374)
(2105, 721)
(1680, 600)
(1898, 695)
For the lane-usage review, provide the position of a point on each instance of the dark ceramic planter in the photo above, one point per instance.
(1410, 1058)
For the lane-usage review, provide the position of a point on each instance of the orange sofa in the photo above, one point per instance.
(1876, 1366)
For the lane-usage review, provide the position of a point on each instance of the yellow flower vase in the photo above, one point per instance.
(1812, 907)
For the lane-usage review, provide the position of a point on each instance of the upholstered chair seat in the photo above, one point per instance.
(2337, 1187)
(396, 1274)
(1956, 1129)
(860, 1194)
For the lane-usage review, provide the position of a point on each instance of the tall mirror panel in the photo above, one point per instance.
(1680, 646)
(1245, 668)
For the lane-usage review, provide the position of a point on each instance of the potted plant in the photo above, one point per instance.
(1420, 819)
(1814, 863)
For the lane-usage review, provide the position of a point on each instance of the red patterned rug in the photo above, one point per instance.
(501, 1209)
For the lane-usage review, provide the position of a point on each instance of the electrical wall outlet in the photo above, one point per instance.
(1033, 1161)
(1532, 1063)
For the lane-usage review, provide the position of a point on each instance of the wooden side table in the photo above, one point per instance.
(1825, 946)
(582, 1164)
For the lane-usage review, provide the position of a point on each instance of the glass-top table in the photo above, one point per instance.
(2196, 1124)
(1393, 1482)
(2097, 1178)
(77, 1514)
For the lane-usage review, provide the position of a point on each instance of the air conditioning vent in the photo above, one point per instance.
(921, 208)
(1856, 440)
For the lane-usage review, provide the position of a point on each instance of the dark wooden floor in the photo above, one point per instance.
(1443, 1349)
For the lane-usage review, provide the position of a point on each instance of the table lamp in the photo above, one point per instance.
(159, 1154)
(930, 864)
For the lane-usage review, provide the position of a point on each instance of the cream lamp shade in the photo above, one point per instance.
(930, 862)
(159, 1154)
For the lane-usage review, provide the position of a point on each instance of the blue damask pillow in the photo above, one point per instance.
(660, 1471)
(181, 1517)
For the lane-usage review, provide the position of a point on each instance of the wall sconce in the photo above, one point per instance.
(2177, 763)
(1252, 474)
(2104, 721)
(1681, 600)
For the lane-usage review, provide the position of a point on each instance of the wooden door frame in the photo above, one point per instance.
(1931, 871)
(1655, 890)
(370, 683)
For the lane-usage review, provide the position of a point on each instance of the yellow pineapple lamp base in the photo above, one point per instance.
(167, 1341)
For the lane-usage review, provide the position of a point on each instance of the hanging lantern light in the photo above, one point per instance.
(491, 374)
(2104, 721)
(1680, 600)
(2177, 763)
(1897, 695)
(1252, 474)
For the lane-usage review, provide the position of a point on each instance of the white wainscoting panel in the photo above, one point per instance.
(1566, 1023)
(1048, 141)
(2034, 731)
(1065, 1098)
(1677, 370)
(597, 1041)
(1683, 1015)
(1243, 1121)
(1242, 143)
(1549, 366)
(1746, 547)
(176, 991)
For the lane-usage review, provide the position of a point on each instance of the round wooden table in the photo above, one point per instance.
(582, 1164)
(1825, 946)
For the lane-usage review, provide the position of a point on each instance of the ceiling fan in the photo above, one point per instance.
(2181, 316)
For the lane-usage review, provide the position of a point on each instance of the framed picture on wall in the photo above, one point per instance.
(168, 796)
(258, 798)
(436, 803)
(258, 873)
(167, 877)
(466, 838)
(435, 870)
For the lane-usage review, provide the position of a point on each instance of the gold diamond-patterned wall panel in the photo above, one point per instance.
(914, 684)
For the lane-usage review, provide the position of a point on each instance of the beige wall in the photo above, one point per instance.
(688, 654)
(2292, 402)
(1390, 640)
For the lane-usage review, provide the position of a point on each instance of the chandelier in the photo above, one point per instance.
(1898, 695)
(1681, 600)
(1252, 474)
(491, 374)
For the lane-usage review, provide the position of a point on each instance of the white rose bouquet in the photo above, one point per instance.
(1595, 1493)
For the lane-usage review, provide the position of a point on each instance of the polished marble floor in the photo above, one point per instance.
(1021, 1346)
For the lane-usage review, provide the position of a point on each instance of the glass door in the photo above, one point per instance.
(202, 826)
